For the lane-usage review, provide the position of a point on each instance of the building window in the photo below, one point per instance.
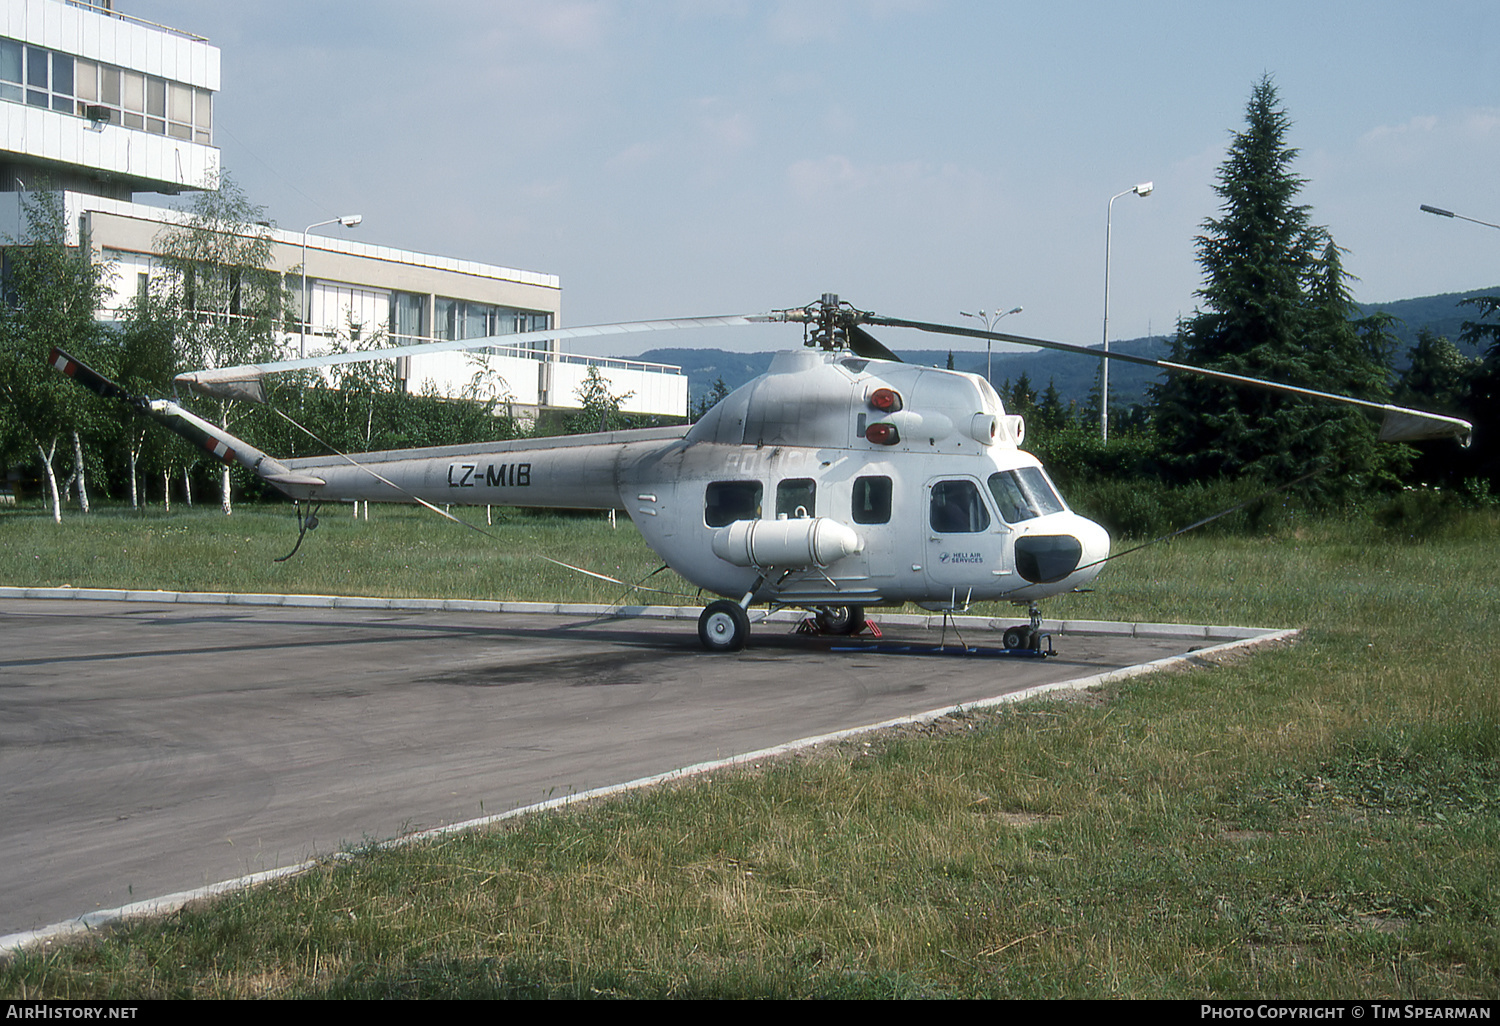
(336, 309)
(408, 318)
(10, 71)
(457, 319)
(72, 85)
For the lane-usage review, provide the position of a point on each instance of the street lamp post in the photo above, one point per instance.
(348, 221)
(1440, 212)
(990, 320)
(1144, 189)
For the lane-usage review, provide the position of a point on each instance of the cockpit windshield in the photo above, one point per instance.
(1024, 494)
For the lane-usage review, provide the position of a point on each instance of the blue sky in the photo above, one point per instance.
(684, 157)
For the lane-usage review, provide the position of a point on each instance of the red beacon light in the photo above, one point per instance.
(886, 400)
(883, 434)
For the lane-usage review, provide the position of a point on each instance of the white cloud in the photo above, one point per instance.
(798, 22)
(1463, 135)
(634, 156)
(730, 131)
(812, 180)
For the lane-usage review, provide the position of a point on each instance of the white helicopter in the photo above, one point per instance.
(840, 479)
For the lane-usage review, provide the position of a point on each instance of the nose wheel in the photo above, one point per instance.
(724, 626)
(1020, 636)
(1028, 635)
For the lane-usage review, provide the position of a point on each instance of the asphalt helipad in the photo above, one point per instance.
(158, 745)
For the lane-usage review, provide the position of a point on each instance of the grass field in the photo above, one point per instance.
(1321, 820)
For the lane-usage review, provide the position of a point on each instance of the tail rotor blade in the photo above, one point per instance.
(88, 377)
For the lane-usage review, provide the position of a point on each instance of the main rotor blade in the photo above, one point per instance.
(240, 382)
(1400, 424)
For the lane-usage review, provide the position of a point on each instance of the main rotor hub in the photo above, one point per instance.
(828, 322)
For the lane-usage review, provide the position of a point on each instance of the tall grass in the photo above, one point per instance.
(1320, 820)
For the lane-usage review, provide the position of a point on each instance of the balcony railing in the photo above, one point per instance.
(109, 13)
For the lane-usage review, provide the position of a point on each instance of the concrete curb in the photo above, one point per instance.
(929, 621)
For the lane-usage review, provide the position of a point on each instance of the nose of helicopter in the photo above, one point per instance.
(1095, 542)
(1051, 558)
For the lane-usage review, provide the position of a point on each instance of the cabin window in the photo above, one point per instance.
(1024, 494)
(728, 501)
(872, 500)
(795, 494)
(958, 509)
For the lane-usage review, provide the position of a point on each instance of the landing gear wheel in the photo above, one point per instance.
(724, 626)
(840, 619)
(1019, 636)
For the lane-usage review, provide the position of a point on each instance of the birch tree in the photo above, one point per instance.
(226, 300)
(54, 291)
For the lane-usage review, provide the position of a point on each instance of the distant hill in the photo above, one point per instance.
(1443, 314)
(1074, 375)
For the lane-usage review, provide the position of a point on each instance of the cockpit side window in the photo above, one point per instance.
(957, 508)
(1024, 494)
(794, 494)
(872, 500)
(727, 501)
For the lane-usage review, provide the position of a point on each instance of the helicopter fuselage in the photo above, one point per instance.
(841, 478)
(829, 480)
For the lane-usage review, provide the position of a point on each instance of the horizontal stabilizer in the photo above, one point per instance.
(295, 480)
(246, 389)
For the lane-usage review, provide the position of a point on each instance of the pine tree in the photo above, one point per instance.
(1352, 357)
(1276, 305)
(1051, 414)
(1437, 377)
(1484, 392)
(1021, 398)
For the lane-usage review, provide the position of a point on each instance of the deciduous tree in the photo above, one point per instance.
(227, 300)
(54, 290)
(599, 403)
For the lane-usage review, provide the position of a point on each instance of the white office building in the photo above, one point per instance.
(104, 106)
